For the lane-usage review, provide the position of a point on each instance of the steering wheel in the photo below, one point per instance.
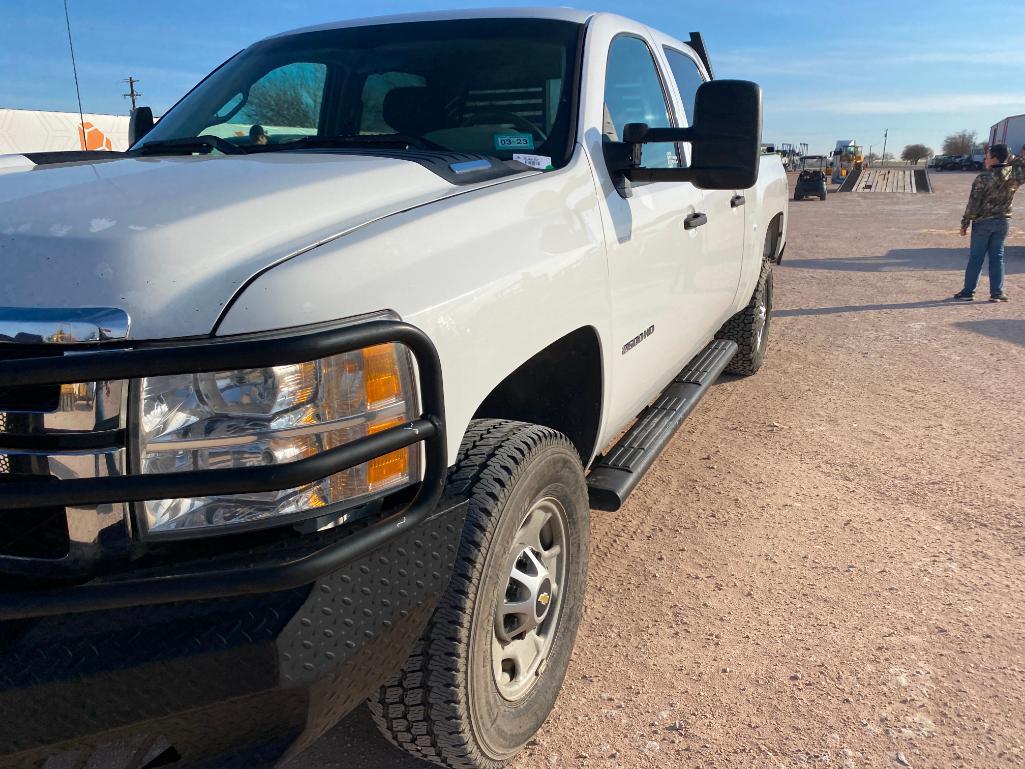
(477, 118)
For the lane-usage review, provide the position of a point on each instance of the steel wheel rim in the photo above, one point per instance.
(529, 606)
(762, 314)
(760, 317)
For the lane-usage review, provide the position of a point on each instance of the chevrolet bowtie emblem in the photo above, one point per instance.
(544, 598)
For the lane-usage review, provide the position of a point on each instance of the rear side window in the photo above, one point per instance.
(688, 79)
(634, 94)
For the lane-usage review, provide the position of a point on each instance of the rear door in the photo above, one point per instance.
(716, 270)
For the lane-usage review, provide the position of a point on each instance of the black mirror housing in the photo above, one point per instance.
(725, 139)
(139, 124)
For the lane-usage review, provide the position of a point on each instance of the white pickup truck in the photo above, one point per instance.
(307, 397)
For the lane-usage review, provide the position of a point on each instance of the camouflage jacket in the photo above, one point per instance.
(993, 191)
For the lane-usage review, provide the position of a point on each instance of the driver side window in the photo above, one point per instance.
(634, 94)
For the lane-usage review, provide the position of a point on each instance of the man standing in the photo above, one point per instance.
(989, 213)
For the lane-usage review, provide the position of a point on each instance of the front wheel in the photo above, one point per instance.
(749, 328)
(486, 672)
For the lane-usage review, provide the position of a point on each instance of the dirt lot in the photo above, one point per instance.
(825, 569)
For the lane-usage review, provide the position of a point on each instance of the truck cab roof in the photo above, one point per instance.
(558, 14)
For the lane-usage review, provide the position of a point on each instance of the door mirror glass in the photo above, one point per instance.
(725, 139)
(139, 124)
(728, 127)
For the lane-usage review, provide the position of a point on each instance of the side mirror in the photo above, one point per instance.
(725, 139)
(139, 124)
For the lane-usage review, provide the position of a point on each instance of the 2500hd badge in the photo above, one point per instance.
(638, 339)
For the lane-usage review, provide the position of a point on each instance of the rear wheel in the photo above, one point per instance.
(749, 328)
(487, 671)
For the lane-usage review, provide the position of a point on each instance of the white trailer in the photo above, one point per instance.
(27, 130)
(1009, 131)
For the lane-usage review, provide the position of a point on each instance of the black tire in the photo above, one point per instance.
(445, 706)
(822, 197)
(796, 196)
(749, 328)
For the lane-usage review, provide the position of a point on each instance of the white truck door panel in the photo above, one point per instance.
(651, 252)
(716, 269)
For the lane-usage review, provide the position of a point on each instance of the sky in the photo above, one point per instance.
(921, 70)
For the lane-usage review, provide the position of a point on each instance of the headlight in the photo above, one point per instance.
(265, 416)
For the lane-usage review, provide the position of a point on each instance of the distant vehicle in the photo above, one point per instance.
(978, 157)
(1009, 131)
(847, 157)
(954, 163)
(811, 183)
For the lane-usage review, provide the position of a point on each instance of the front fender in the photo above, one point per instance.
(493, 276)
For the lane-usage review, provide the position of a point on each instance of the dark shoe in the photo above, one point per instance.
(964, 296)
(998, 298)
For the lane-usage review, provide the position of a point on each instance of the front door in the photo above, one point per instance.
(654, 241)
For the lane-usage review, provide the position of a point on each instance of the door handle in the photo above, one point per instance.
(737, 200)
(693, 221)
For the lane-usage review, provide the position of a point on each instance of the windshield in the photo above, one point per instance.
(491, 86)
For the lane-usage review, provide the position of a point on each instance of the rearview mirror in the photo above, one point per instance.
(139, 124)
(725, 139)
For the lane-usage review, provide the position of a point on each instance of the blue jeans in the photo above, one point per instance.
(988, 236)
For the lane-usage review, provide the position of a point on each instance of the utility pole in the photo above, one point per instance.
(886, 134)
(132, 93)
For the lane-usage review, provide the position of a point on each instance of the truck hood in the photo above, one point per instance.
(170, 240)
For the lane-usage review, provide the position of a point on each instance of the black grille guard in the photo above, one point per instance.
(209, 356)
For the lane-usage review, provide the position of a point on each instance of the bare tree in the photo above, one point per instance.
(959, 143)
(915, 152)
(872, 157)
(289, 97)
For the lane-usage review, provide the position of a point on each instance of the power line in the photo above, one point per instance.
(74, 69)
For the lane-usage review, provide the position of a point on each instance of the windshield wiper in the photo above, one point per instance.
(344, 141)
(189, 145)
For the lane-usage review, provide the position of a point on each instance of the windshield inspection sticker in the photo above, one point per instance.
(514, 142)
(541, 162)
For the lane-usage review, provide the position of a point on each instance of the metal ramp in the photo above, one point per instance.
(907, 180)
(851, 181)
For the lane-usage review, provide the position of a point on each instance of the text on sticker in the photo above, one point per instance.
(514, 142)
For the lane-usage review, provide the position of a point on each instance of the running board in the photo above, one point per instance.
(616, 474)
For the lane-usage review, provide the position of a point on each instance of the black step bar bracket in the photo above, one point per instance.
(615, 475)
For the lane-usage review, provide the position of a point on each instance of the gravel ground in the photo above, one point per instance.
(825, 567)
